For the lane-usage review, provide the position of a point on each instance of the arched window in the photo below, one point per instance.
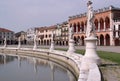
(78, 27)
(82, 40)
(101, 24)
(107, 22)
(74, 27)
(82, 26)
(96, 24)
(101, 40)
(107, 37)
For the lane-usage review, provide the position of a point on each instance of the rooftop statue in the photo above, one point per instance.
(90, 24)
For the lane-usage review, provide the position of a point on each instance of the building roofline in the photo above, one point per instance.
(5, 30)
(105, 9)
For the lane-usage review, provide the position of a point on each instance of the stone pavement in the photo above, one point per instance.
(100, 48)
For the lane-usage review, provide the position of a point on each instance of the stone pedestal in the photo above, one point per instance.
(52, 46)
(5, 45)
(90, 53)
(19, 45)
(71, 48)
(35, 47)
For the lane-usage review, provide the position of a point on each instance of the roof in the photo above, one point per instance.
(110, 8)
(52, 27)
(5, 30)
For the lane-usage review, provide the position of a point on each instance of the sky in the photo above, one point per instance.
(20, 15)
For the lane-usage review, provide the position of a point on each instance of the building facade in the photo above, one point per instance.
(116, 32)
(30, 36)
(23, 37)
(61, 34)
(104, 22)
(8, 34)
(44, 35)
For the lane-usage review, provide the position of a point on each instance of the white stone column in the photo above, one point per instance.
(117, 34)
(99, 27)
(111, 29)
(19, 43)
(80, 29)
(104, 41)
(104, 26)
(90, 53)
(76, 29)
(52, 42)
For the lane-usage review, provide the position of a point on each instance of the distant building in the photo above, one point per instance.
(44, 34)
(30, 35)
(61, 33)
(106, 23)
(23, 37)
(116, 31)
(8, 34)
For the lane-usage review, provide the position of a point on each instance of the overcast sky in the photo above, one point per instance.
(18, 15)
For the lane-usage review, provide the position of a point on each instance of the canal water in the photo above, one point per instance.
(19, 68)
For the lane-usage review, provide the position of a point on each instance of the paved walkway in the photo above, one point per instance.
(100, 48)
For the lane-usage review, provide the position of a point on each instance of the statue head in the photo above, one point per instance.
(89, 3)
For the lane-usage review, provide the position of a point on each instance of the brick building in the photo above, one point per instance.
(44, 34)
(107, 26)
(8, 34)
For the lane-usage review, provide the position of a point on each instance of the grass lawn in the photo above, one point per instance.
(115, 57)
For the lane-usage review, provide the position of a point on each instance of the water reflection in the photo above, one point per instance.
(19, 68)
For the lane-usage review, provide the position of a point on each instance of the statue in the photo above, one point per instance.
(71, 48)
(52, 47)
(35, 44)
(52, 36)
(5, 42)
(90, 24)
(19, 42)
(70, 33)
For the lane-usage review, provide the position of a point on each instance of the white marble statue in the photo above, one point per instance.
(5, 42)
(90, 31)
(19, 42)
(35, 43)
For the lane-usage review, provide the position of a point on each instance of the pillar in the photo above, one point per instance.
(76, 29)
(104, 27)
(104, 41)
(98, 26)
(111, 29)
